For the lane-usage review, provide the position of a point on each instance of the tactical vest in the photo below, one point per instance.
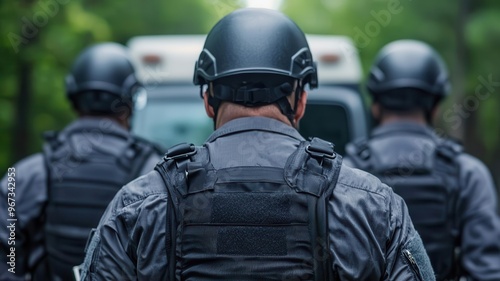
(430, 190)
(249, 223)
(80, 187)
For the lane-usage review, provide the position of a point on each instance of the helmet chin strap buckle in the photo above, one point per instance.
(253, 96)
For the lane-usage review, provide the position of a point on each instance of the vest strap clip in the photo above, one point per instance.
(320, 149)
(180, 151)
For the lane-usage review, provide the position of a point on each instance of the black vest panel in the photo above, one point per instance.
(80, 186)
(428, 181)
(251, 223)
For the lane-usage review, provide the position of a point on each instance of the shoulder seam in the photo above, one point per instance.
(360, 188)
(143, 197)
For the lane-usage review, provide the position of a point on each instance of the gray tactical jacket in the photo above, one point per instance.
(402, 144)
(31, 194)
(370, 231)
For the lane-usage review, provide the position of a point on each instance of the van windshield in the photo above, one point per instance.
(176, 114)
(326, 121)
(168, 123)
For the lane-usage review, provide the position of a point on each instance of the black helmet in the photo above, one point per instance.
(101, 77)
(264, 50)
(408, 73)
(257, 41)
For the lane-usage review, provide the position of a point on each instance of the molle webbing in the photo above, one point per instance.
(251, 223)
(80, 187)
(430, 188)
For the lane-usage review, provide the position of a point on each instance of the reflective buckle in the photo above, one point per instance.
(321, 149)
(319, 153)
(180, 151)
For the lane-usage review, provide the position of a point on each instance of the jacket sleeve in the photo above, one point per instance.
(21, 237)
(107, 256)
(479, 221)
(406, 255)
(130, 241)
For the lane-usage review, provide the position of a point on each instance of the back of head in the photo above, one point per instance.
(102, 80)
(408, 75)
(253, 57)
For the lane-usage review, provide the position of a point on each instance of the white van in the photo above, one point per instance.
(172, 110)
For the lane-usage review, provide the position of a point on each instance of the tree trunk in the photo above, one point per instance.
(22, 112)
(461, 65)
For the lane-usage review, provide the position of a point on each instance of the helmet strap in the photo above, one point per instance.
(215, 104)
(285, 106)
(429, 111)
(252, 97)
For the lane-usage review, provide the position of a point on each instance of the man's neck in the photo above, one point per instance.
(232, 111)
(392, 119)
(123, 122)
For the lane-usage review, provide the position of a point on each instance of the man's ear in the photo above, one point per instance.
(300, 109)
(208, 108)
(376, 111)
(434, 114)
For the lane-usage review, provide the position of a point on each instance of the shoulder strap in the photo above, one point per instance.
(312, 166)
(137, 153)
(331, 164)
(50, 145)
(359, 153)
(314, 169)
(133, 158)
(448, 149)
(173, 172)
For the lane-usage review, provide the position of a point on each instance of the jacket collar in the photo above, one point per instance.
(403, 127)
(95, 125)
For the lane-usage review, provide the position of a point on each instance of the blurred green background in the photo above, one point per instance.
(39, 40)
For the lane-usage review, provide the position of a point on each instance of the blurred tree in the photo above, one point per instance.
(483, 83)
(43, 37)
(466, 33)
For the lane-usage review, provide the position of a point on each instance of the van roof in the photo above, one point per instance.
(162, 59)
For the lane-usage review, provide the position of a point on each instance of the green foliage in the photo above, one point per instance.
(465, 33)
(483, 38)
(467, 37)
(46, 36)
(489, 125)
